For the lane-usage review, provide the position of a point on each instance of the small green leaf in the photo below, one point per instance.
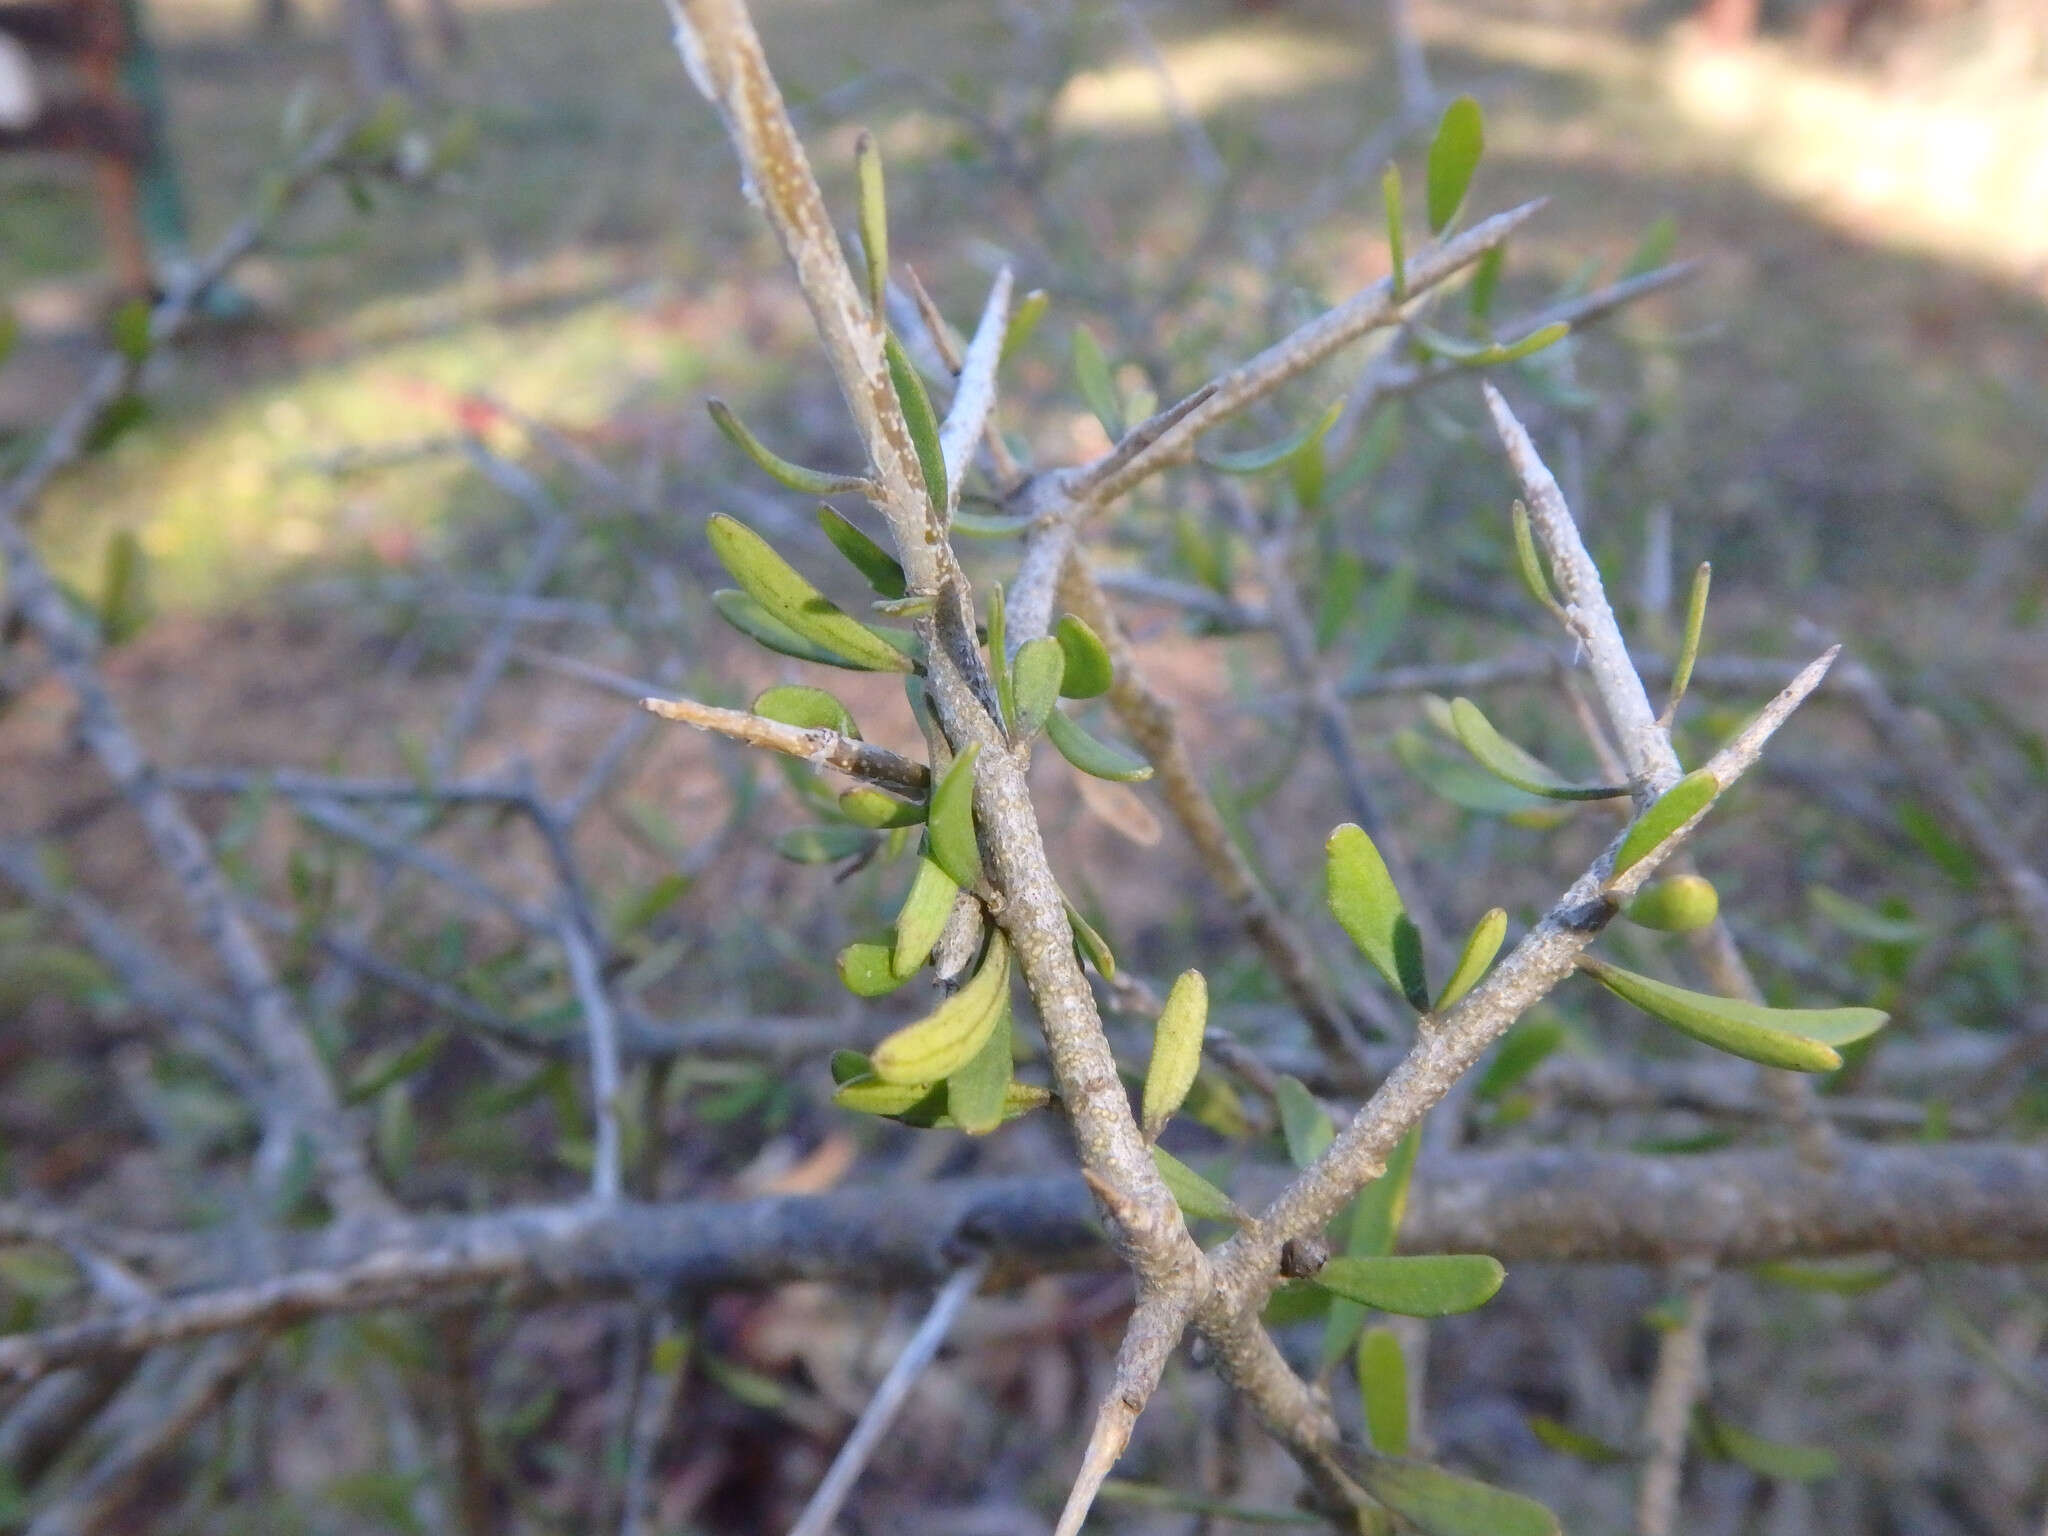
(1833, 1279)
(1464, 784)
(874, 218)
(917, 1104)
(922, 917)
(1376, 1213)
(637, 911)
(1485, 283)
(1766, 1458)
(812, 482)
(1653, 250)
(1093, 756)
(1689, 646)
(864, 554)
(10, 332)
(809, 709)
(131, 330)
(990, 525)
(1453, 157)
(1098, 389)
(947, 1038)
(1035, 678)
(1521, 1051)
(1198, 1199)
(1679, 904)
(1506, 761)
(124, 607)
(1861, 922)
(1176, 1051)
(976, 1094)
(1256, 461)
(1480, 948)
(1673, 809)
(923, 425)
(873, 808)
(123, 414)
(823, 845)
(395, 1065)
(1092, 943)
(1418, 1285)
(1397, 243)
(998, 651)
(747, 616)
(1574, 1442)
(1441, 1503)
(846, 1066)
(1088, 672)
(867, 970)
(1024, 317)
(1367, 907)
(1800, 1039)
(773, 583)
(1304, 1124)
(953, 847)
(1383, 1389)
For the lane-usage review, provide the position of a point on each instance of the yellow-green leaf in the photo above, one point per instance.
(1506, 761)
(1397, 242)
(1088, 672)
(1417, 1285)
(747, 616)
(1383, 1389)
(922, 917)
(1480, 947)
(1677, 905)
(1092, 755)
(1091, 373)
(1176, 1050)
(124, 607)
(823, 845)
(1035, 685)
(1453, 157)
(1441, 1503)
(773, 583)
(1800, 1039)
(797, 477)
(953, 847)
(131, 330)
(864, 554)
(1024, 317)
(1672, 810)
(945, 1040)
(866, 807)
(1368, 908)
(976, 1093)
(874, 217)
(1766, 1458)
(867, 970)
(1305, 1125)
(809, 709)
(1093, 945)
(1256, 461)
(1198, 1199)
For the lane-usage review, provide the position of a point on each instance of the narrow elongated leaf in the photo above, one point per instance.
(1575, 1442)
(923, 425)
(864, 554)
(1024, 317)
(975, 1094)
(1801, 1039)
(10, 332)
(1368, 908)
(1833, 1279)
(1198, 1199)
(1506, 761)
(945, 1040)
(989, 525)
(1304, 1124)
(1479, 295)
(866, 807)
(797, 477)
(1383, 1389)
(917, 1104)
(1098, 389)
(953, 847)
(1035, 679)
(1530, 563)
(823, 845)
(1373, 1223)
(809, 709)
(1465, 784)
(1672, 810)
(1256, 461)
(1441, 1503)
(1397, 241)
(1092, 944)
(922, 917)
(867, 970)
(131, 330)
(1653, 250)
(874, 217)
(1861, 922)
(747, 616)
(998, 652)
(1417, 1285)
(1088, 673)
(773, 583)
(1094, 756)
(1677, 905)
(1521, 1051)
(1453, 157)
(1176, 1051)
(1480, 947)
(124, 608)
(1689, 645)
(1766, 1458)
